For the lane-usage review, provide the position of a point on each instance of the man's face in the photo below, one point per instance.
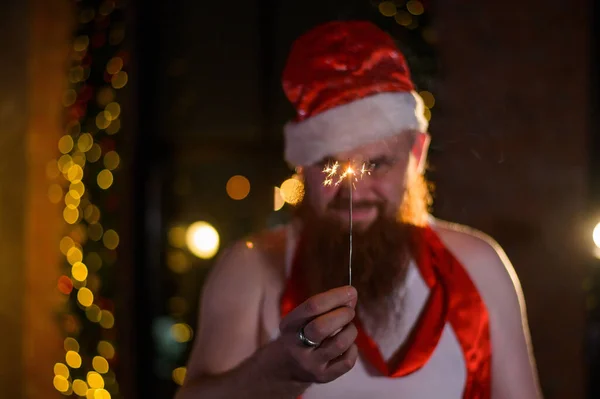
(379, 194)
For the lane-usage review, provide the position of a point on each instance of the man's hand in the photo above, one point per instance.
(326, 319)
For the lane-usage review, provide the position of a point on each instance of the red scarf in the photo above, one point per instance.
(453, 299)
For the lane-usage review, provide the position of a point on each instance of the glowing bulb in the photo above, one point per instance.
(292, 191)
(202, 240)
(179, 375)
(278, 201)
(596, 235)
(238, 187)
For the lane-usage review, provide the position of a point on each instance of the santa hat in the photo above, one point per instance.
(350, 85)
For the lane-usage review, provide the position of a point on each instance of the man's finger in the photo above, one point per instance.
(324, 326)
(335, 346)
(319, 304)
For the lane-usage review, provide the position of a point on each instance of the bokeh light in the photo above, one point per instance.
(181, 332)
(596, 235)
(55, 193)
(114, 110)
(415, 7)
(403, 18)
(110, 239)
(73, 359)
(179, 375)
(85, 297)
(278, 201)
(95, 380)
(93, 313)
(71, 215)
(387, 8)
(178, 262)
(61, 383)
(202, 240)
(107, 320)
(106, 350)
(79, 271)
(105, 179)
(100, 364)
(74, 255)
(111, 160)
(428, 98)
(95, 231)
(71, 344)
(65, 144)
(85, 142)
(119, 79)
(292, 191)
(238, 187)
(64, 285)
(80, 387)
(114, 65)
(61, 369)
(94, 153)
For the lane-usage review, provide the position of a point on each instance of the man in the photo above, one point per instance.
(435, 309)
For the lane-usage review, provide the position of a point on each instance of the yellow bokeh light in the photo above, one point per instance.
(387, 8)
(77, 189)
(249, 244)
(80, 387)
(181, 332)
(81, 43)
(69, 98)
(292, 191)
(596, 235)
(105, 179)
(61, 383)
(65, 144)
(202, 240)
(179, 375)
(71, 215)
(428, 98)
(101, 394)
(71, 344)
(93, 313)
(85, 297)
(90, 394)
(95, 380)
(427, 114)
(238, 187)
(79, 271)
(85, 142)
(61, 369)
(107, 319)
(110, 239)
(73, 359)
(106, 349)
(278, 201)
(415, 7)
(64, 163)
(79, 158)
(111, 160)
(114, 109)
(119, 79)
(95, 231)
(403, 18)
(178, 262)
(105, 96)
(100, 364)
(75, 173)
(176, 237)
(76, 74)
(55, 193)
(103, 119)
(114, 65)
(66, 243)
(71, 201)
(74, 255)
(114, 127)
(94, 153)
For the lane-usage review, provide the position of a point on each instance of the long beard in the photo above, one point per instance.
(381, 254)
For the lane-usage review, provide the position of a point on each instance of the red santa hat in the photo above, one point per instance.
(350, 85)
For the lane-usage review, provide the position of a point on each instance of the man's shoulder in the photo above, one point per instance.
(484, 260)
(263, 251)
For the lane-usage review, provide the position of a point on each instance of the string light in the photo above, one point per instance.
(87, 245)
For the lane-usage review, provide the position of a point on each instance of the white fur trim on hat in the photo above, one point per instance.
(351, 125)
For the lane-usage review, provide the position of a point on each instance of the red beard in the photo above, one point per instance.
(381, 254)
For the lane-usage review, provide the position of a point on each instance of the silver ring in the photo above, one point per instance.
(305, 341)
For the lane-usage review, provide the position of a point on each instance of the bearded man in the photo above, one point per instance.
(435, 310)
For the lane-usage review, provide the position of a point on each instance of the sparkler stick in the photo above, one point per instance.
(332, 173)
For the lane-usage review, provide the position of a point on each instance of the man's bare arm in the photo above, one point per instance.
(226, 361)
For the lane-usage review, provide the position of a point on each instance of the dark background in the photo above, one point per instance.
(514, 151)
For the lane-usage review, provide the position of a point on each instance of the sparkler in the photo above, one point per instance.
(334, 176)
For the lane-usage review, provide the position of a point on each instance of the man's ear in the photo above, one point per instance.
(419, 150)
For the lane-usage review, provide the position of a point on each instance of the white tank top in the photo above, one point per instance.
(443, 376)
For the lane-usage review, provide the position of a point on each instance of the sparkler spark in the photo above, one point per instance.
(333, 176)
